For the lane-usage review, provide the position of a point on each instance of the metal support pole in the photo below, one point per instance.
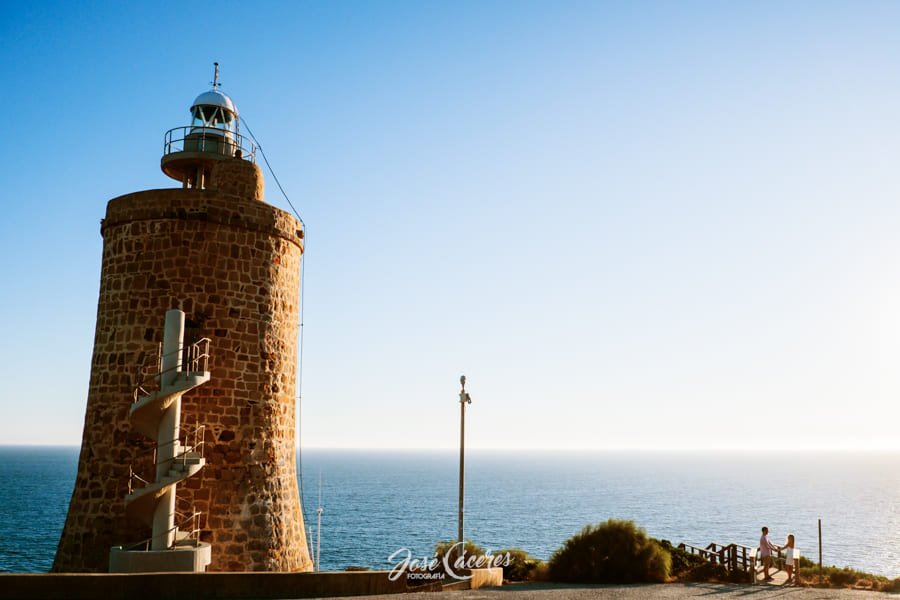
(820, 543)
(463, 400)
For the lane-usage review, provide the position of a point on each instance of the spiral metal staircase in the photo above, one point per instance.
(156, 413)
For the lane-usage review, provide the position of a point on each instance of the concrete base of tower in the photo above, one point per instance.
(187, 558)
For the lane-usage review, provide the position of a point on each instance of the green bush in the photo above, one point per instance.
(451, 546)
(837, 577)
(892, 586)
(707, 572)
(805, 563)
(683, 562)
(541, 571)
(521, 566)
(843, 577)
(611, 552)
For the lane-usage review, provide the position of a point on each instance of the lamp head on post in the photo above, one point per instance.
(463, 394)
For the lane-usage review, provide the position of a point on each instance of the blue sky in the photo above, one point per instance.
(631, 225)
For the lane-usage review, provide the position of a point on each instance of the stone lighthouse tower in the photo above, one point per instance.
(199, 291)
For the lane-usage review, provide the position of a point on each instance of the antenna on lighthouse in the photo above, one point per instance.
(215, 81)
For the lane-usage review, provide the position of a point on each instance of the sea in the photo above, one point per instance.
(363, 507)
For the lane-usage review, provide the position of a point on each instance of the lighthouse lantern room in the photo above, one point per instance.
(213, 135)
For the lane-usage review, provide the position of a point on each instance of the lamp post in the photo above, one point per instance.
(464, 399)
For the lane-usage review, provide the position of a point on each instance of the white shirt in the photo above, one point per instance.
(765, 546)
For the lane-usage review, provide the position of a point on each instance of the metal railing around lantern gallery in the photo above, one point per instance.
(209, 140)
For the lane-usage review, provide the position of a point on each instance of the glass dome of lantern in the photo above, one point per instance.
(214, 111)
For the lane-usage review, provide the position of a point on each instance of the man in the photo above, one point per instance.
(765, 551)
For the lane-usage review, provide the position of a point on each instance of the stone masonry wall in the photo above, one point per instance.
(232, 264)
(239, 177)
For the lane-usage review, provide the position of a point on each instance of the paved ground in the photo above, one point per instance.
(674, 591)
(778, 577)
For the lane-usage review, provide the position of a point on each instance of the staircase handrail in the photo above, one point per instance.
(197, 447)
(146, 543)
(195, 433)
(696, 549)
(132, 476)
(178, 447)
(194, 518)
(198, 356)
(731, 556)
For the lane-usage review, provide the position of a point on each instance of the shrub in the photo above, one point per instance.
(611, 552)
(843, 577)
(683, 562)
(892, 587)
(541, 571)
(708, 572)
(836, 577)
(805, 563)
(521, 566)
(452, 547)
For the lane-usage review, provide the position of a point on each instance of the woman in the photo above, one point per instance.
(789, 553)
